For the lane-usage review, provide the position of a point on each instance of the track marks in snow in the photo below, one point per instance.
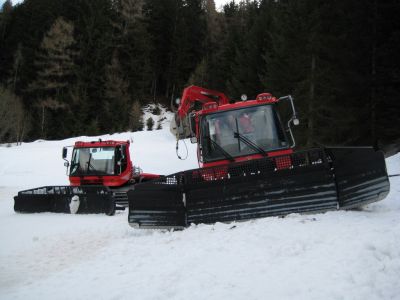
(47, 256)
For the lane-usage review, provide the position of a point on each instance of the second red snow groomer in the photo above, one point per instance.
(249, 167)
(100, 174)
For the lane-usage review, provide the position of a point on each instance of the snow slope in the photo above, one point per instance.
(336, 255)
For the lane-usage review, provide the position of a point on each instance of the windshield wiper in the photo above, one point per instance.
(89, 165)
(249, 143)
(222, 150)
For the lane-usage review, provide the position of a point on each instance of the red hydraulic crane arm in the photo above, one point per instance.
(193, 94)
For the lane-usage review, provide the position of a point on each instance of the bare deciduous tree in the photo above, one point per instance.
(14, 122)
(135, 117)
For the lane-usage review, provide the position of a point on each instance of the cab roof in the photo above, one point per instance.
(212, 107)
(100, 143)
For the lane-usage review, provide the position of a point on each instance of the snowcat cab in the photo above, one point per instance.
(102, 162)
(249, 169)
(241, 131)
(100, 174)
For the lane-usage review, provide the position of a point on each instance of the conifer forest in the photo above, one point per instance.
(87, 67)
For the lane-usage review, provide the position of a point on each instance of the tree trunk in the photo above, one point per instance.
(373, 100)
(42, 127)
(311, 100)
(155, 89)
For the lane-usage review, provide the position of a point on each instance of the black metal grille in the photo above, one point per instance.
(65, 190)
(257, 167)
(93, 199)
(304, 181)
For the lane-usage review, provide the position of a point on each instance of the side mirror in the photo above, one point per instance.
(193, 140)
(64, 152)
(66, 164)
(293, 119)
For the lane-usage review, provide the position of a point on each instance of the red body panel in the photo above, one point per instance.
(246, 158)
(113, 181)
(237, 105)
(148, 176)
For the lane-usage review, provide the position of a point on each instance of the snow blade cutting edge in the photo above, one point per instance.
(66, 199)
(315, 180)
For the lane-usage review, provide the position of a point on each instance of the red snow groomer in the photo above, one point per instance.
(100, 174)
(249, 168)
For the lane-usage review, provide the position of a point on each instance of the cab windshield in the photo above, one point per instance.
(241, 132)
(93, 161)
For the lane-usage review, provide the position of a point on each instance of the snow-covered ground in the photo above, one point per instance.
(336, 255)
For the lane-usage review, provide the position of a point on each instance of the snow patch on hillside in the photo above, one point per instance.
(160, 115)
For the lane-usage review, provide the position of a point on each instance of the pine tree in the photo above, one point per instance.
(206, 72)
(55, 71)
(135, 117)
(188, 45)
(220, 59)
(18, 62)
(156, 110)
(55, 61)
(387, 70)
(297, 64)
(117, 97)
(5, 47)
(249, 46)
(94, 36)
(160, 17)
(150, 124)
(5, 13)
(133, 43)
(159, 125)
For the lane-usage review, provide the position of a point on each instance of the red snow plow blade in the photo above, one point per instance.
(316, 180)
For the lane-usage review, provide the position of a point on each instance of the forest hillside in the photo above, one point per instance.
(80, 67)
